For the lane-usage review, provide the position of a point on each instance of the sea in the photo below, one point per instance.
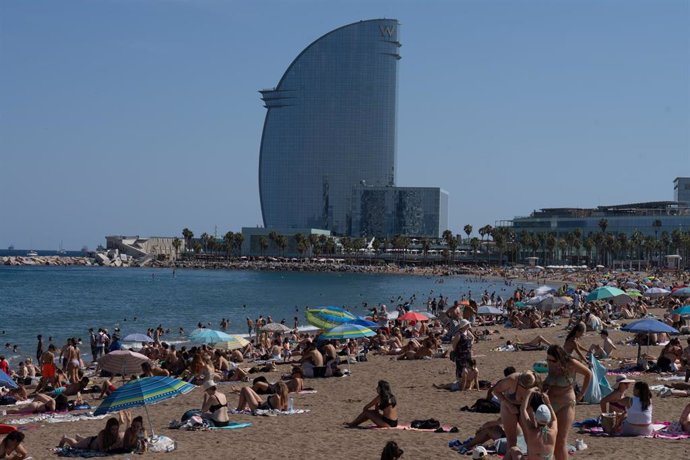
(62, 302)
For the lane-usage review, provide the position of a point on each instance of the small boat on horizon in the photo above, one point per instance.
(32, 253)
(10, 247)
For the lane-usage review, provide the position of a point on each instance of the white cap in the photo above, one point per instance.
(542, 415)
(479, 452)
(463, 324)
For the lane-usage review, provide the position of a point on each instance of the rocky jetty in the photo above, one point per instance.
(45, 260)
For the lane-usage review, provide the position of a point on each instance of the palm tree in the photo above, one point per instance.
(176, 243)
(603, 225)
(263, 244)
(426, 245)
(313, 243)
(475, 244)
(282, 243)
(273, 237)
(204, 240)
(588, 244)
(239, 239)
(551, 244)
(229, 239)
(196, 246)
(187, 234)
(468, 230)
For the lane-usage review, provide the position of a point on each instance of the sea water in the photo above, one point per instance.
(61, 302)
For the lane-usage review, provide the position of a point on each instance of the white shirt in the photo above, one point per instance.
(636, 415)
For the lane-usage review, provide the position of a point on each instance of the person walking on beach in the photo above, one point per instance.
(462, 349)
(39, 348)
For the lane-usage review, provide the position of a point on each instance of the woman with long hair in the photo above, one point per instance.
(559, 384)
(107, 439)
(391, 451)
(381, 410)
(511, 392)
(571, 344)
(638, 420)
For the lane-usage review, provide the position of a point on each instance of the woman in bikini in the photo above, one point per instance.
(42, 403)
(107, 439)
(560, 386)
(251, 400)
(511, 392)
(614, 401)
(381, 410)
(215, 405)
(571, 344)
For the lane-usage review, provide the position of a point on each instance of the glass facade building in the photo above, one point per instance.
(330, 125)
(384, 212)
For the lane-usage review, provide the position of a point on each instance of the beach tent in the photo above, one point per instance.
(599, 387)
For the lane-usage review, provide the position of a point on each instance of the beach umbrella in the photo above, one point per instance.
(235, 343)
(543, 290)
(413, 316)
(682, 292)
(682, 311)
(209, 336)
(122, 362)
(532, 301)
(364, 322)
(328, 317)
(143, 338)
(631, 284)
(647, 326)
(489, 310)
(553, 303)
(143, 392)
(520, 304)
(347, 331)
(656, 292)
(606, 292)
(633, 293)
(275, 327)
(6, 381)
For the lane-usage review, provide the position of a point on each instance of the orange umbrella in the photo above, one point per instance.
(413, 316)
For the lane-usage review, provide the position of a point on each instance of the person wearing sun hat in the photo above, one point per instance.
(614, 400)
(540, 428)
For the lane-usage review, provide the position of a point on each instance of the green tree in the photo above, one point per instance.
(229, 240)
(239, 239)
(196, 246)
(468, 230)
(301, 243)
(176, 243)
(263, 244)
(187, 234)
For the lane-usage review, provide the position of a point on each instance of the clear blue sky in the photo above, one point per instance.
(143, 117)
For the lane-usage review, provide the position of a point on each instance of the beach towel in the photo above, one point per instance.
(408, 427)
(83, 453)
(662, 430)
(599, 387)
(306, 392)
(231, 426)
(54, 417)
(269, 412)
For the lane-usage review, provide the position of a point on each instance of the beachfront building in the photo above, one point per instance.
(142, 247)
(330, 126)
(606, 233)
(384, 212)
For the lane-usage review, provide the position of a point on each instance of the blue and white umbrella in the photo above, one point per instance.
(143, 392)
(647, 326)
(6, 381)
(209, 336)
(140, 338)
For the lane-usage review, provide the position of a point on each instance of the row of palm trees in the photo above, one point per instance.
(511, 246)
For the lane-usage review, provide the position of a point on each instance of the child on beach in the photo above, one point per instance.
(470, 380)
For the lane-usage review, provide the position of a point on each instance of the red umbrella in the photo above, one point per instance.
(413, 316)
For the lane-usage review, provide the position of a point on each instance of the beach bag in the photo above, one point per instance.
(428, 424)
(599, 387)
(161, 444)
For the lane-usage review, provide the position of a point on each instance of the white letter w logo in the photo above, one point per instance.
(387, 31)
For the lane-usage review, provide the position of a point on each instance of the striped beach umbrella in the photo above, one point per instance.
(347, 331)
(122, 362)
(236, 343)
(143, 392)
(328, 317)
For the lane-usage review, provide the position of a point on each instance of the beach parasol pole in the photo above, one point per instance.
(153, 434)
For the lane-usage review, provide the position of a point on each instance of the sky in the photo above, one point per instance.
(142, 117)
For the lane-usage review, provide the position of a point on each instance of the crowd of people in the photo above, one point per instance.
(536, 406)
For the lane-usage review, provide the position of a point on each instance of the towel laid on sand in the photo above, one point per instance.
(408, 427)
(54, 417)
(231, 426)
(662, 430)
(270, 412)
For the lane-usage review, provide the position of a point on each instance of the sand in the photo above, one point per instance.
(319, 433)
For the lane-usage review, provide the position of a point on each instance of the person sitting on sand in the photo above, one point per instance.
(107, 387)
(604, 351)
(215, 406)
(471, 378)
(685, 419)
(638, 419)
(670, 356)
(614, 401)
(147, 370)
(249, 399)
(381, 410)
(134, 437)
(106, 440)
(42, 403)
(391, 451)
(540, 428)
(312, 362)
(11, 447)
(72, 389)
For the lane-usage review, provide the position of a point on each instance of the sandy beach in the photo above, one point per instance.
(319, 433)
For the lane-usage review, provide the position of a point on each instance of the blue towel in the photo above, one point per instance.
(232, 426)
